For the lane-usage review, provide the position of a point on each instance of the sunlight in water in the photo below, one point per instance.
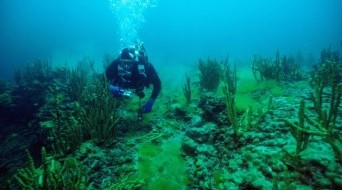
(129, 15)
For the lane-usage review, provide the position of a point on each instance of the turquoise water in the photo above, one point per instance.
(180, 31)
(269, 117)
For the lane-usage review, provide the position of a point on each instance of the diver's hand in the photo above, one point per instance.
(147, 108)
(119, 92)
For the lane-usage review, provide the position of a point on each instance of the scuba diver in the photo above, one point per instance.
(132, 70)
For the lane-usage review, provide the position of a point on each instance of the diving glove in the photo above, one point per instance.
(119, 92)
(148, 106)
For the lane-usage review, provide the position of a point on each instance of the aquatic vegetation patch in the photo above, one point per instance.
(243, 101)
(253, 93)
(52, 174)
(101, 115)
(161, 166)
(277, 91)
(250, 85)
(282, 68)
(187, 89)
(210, 73)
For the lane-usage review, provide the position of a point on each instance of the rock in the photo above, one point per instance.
(319, 153)
(189, 147)
(234, 164)
(121, 159)
(96, 166)
(260, 183)
(196, 121)
(207, 150)
(212, 109)
(202, 134)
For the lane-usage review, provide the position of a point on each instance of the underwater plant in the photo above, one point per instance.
(187, 89)
(231, 110)
(230, 77)
(281, 69)
(61, 117)
(330, 66)
(325, 124)
(297, 131)
(77, 80)
(79, 107)
(263, 69)
(210, 74)
(72, 81)
(62, 120)
(30, 88)
(52, 174)
(249, 118)
(100, 111)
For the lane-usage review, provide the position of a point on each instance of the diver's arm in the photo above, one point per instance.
(119, 92)
(112, 76)
(155, 81)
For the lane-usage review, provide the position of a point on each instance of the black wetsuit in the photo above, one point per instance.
(137, 81)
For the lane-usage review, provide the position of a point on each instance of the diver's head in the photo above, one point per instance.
(128, 56)
(133, 54)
